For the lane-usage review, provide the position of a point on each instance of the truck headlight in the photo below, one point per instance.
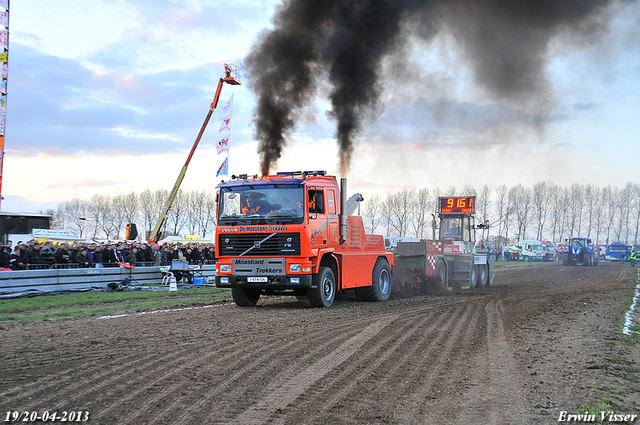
(225, 268)
(295, 268)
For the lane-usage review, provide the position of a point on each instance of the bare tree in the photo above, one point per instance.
(501, 202)
(591, 195)
(520, 200)
(420, 212)
(99, 210)
(119, 214)
(208, 220)
(372, 213)
(482, 208)
(557, 211)
(575, 206)
(177, 215)
(400, 211)
(598, 211)
(151, 204)
(624, 208)
(635, 205)
(540, 204)
(610, 202)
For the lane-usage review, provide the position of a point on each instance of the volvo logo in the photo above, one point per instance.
(289, 240)
(226, 240)
(256, 244)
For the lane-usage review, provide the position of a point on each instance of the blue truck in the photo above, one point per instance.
(580, 251)
(616, 249)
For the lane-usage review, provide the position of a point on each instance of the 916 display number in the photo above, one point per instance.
(457, 204)
(46, 416)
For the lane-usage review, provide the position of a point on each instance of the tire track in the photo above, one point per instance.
(262, 363)
(338, 393)
(282, 392)
(462, 330)
(72, 390)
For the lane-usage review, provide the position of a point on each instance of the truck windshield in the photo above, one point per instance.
(269, 204)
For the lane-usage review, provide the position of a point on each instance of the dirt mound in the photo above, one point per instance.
(414, 283)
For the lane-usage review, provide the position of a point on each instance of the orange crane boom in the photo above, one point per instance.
(232, 77)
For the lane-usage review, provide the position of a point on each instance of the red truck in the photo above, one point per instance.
(292, 234)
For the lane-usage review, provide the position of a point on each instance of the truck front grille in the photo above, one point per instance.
(259, 244)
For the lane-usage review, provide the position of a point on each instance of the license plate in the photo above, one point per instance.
(257, 279)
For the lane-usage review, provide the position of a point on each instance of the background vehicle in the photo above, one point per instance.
(291, 234)
(615, 249)
(580, 251)
(550, 251)
(531, 250)
(452, 257)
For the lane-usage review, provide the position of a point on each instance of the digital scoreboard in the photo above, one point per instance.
(457, 204)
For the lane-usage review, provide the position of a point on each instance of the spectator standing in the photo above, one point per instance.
(156, 254)
(4, 256)
(36, 256)
(16, 259)
(48, 254)
(82, 259)
(97, 257)
(62, 255)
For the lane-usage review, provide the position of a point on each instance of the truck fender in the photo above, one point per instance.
(328, 259)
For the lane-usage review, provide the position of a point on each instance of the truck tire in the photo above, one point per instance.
(441, 276)
(325, 288)
(381, 282)
(473, 276)
(245, 297)
(483, 276)
(587, 260)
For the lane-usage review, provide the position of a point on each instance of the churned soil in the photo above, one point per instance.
(541, 340)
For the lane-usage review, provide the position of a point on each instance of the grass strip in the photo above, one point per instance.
(102, 303)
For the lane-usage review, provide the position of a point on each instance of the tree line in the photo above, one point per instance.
(105, 217)
(546, 211)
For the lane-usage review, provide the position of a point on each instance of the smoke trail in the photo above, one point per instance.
(505, 42)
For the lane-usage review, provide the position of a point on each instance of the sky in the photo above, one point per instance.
(107, 97)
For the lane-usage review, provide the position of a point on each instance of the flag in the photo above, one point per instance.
(226, 124)
(223, 145)
(4, 19)
(224, 168)
(227, 108)
(3, 3)
(4, 38)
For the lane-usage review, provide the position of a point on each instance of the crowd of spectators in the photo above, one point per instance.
(34, 255)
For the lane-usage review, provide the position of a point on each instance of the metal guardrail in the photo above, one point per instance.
(81, 278)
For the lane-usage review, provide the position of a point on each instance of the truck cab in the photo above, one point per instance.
(291, 234)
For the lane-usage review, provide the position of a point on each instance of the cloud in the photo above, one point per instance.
(59, 107)
(85, 183)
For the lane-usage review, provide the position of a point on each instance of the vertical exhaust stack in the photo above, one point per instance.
(343, 210)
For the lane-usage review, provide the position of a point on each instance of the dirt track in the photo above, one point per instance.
(541, 340)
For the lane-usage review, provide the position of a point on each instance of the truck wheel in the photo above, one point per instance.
(325, 288)
(587, 260)
(441, 275)
(380, 288)
(483, 276)
(473, 276)
(245, 297)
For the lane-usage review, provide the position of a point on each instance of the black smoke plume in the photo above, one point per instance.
(506, 43)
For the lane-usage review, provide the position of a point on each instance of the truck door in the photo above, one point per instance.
(332, 216)
(317, 216)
